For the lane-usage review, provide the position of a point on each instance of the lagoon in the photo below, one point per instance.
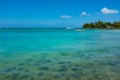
(59, 54)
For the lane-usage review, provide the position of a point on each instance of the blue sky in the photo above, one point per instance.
(57, 13)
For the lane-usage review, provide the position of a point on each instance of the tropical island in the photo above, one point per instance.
(102, 25)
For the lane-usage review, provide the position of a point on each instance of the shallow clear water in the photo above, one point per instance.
(59, 54)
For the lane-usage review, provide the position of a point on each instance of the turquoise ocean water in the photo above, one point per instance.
(59, 54)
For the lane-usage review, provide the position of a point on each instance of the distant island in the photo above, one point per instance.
(102, 25)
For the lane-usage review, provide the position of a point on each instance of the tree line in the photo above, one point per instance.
(102, 25)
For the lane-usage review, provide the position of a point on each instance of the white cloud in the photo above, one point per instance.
(109, 11)
(85, 14)
(66, 16)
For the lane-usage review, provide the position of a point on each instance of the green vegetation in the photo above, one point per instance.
(103, 25)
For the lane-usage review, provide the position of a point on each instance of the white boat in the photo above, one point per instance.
(68, 28)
